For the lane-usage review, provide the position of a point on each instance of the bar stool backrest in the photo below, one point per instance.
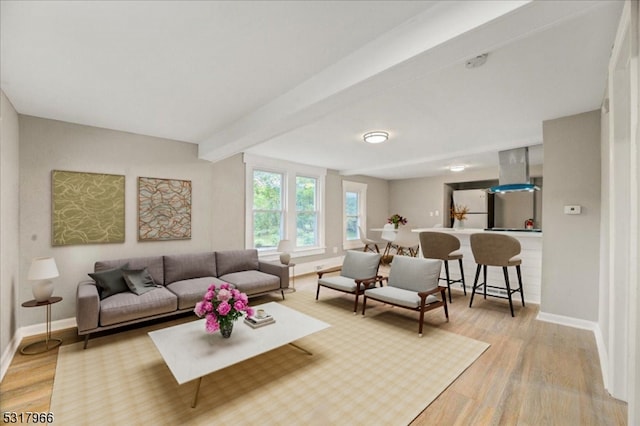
(438, 245)
(494, 249)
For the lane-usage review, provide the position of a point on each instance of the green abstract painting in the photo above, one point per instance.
(164, 209)
(88, 208)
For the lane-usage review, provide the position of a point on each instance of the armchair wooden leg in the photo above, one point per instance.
(364, 304)
(317, 291)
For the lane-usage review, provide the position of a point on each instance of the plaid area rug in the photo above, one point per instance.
(371, 370)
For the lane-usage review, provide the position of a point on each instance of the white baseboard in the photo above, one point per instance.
(311, 267)
(568, 321)
(585, 325)
(30, 330)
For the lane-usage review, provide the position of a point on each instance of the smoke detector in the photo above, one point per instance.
(477, 61)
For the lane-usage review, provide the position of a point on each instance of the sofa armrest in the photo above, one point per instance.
(277, 269)
(87, 306)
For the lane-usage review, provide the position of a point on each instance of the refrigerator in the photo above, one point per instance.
(477, 202)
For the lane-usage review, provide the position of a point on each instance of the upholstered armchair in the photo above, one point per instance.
(412, 284)
(359, 270)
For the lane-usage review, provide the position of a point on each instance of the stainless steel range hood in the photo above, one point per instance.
(514, 172)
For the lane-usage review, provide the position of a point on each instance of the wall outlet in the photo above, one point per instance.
(335, 250)
(319, 267)
(431, 214)
(437, 213)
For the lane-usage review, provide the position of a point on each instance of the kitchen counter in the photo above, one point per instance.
(531, 255)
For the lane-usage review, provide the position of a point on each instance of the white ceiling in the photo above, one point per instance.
(303, 80)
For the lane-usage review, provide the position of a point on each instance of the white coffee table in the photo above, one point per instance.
(191, 353)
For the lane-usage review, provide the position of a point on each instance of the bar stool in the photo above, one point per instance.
(496, 250)
(443, 246)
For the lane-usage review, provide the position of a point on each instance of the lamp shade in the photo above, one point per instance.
(285, 247)
(42, 268)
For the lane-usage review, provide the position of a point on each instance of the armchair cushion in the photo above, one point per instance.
(414, 274)
(359, 264)
(398, 296)
(339, 283)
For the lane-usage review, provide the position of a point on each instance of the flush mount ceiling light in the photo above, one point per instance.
(375, 137)
(457, 168)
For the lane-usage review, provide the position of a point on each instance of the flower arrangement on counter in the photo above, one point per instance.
(396, 219)
(459, 211)
(222, 306)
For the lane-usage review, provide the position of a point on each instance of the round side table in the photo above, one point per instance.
(48, 343)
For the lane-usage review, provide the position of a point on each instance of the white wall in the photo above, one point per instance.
(570, 259)
(9, 223)
(47, 145)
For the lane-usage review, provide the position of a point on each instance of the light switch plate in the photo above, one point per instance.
(572, 209)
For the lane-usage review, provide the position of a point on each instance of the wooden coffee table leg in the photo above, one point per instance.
(195, 395)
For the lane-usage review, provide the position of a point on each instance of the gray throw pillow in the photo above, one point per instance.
(139, 281)
(110, 281)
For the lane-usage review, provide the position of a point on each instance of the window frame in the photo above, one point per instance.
(290, 172)
(361, 189)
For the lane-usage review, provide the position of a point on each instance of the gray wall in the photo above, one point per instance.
(218, 209)
(9, 221)
(570, 259)
(47, 145)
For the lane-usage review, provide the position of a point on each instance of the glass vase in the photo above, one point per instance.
(226, 328)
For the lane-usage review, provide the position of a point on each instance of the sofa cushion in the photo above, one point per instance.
(191, 291)
(230, 261)
(252, 282)
(184, 266)
(139, 281)
(128, 306)
(110, 281)
(154, 265)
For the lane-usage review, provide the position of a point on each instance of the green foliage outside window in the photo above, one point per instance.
(306, 212)
(352, 212)
(267, 209)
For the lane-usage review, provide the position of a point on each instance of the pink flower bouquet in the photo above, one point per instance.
(221, 307)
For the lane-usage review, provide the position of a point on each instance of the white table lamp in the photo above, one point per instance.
(285, 247)
(42, 270)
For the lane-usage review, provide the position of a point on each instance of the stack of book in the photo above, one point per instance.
(256, 321)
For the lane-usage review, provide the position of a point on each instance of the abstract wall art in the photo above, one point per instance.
(164, 209)
(88, 208)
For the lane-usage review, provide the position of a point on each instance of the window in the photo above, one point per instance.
(268, 214)
(284, 201)
(306, 212)
(354, 198)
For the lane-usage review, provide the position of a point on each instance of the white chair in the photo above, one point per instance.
(369, 244)
(412, 284)
(389, 235)
(407, 242)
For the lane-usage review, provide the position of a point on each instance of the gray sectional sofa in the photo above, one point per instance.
(169, 285)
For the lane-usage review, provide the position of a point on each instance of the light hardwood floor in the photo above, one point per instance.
(534, 373)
